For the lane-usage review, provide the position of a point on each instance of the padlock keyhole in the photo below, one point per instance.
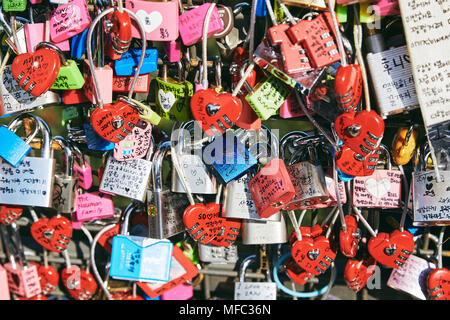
(212, 109)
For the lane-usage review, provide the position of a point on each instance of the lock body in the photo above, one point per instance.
(68, 20)
(23, 281)
(127, 65)
(105, 85)
(220, 255)
(4, 288)
(136, 145)
(34, 33)
(198, 177)
(173, 99)
(69, 77)
(180, 292)
(64, 199)
(264, 231)
(93, 206)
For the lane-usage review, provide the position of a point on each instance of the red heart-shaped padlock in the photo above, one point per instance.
(48, 277)
(120, 34)
(53, 234)
(80, 284)
(36, 72)
(10, 214)
(438, 284)
(228, 233)
(295, 273)
(356, 273)
(309, 232)
(313, 255)
(348, 86)
(215, 110)
(203, 222)
(349, 162)
(391, 250)
(349, 240)
(362, 132)
(114, 122)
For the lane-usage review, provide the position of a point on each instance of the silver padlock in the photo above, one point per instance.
(253, 290)
(200, 180)
(31, 183)
(127, 178)
(264, 232)
(165, 208)
(219, 255)
(65, 184)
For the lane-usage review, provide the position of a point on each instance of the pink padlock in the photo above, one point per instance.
(4, 289)
(68, 20)
(271, 188)
(136, 145)
(93, 206)
(105, 85)
(159, 19)
(291, 108)
(35, 1)
(191, 24)
(123, 83)
(386, 8)
(173, 50)
(84, 174)
(180, 292)
(23, 281)
(35, 33)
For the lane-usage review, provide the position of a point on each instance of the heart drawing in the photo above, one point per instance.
(150, 21)
(378, 188)
(166, 100)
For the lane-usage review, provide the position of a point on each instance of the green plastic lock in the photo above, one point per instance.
(69, 113)
(341, 12)
(14, 5)
(268, 96)
(69, 77)
(173, 99)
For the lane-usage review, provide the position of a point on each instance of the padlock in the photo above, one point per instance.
(127, 178)
(48, 276)
(119, 29)
(126, 66)
(264, 231)
(352, 164)
(173, 50)
(68, 20)
(65, 183)
(160, 19)
(404, 145)
(220, 255)
(253, 290)
(148, 260)
(93, 206)
(227, 17)
(386, 8)
(75, 96)
(165, 208)
(137, 144)
(31, 183)
(123, 83)
(4, 289)
(173, 96)
(81, 167)
(201, 181)
(228, 158)
(191, 23)
(69, 76)
(14, 149)
(382, 189)
(78, 45)
(14, 5)
(180, 292)
(358, 272)
(307, 176)
(10, 214)
(318, 5)
(23, 279)
(105, 86)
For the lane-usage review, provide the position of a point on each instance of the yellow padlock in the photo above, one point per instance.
(404, 145)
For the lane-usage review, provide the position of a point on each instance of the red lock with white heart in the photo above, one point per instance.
(53, 234)
(362, 132)
(80, 284)
(438, 284)
(203, 222)
(357, 272)
(391, 250)
(215, 112)
(10, 214)
(349, 240)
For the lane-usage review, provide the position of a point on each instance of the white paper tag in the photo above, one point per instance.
(255, 291)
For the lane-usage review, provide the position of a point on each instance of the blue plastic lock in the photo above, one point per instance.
(13, 149)
(127, 65)
(261, 8)
(233, 160)
(78, 44)
(94, 141)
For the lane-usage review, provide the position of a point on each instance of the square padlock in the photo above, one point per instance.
(23, 281)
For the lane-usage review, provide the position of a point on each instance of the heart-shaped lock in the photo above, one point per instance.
(357, 272)
(203, 222)
(362, 132)
(120, 34)
(351, 163)
(10, 214)
(349, 240)
(53, 234)
(228, 233)
(391, 250)
(114, 122)
(80, 284)
(215, 111)
(313, 255)
(310, 232)
(36, 72)
(438, 284)
(348, 87)
(48, 277)
(296, 273)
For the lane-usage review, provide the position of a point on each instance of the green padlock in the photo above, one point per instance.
(69, 113)
(14, 5)
(173, 96)
(69, 77)
(268, 96)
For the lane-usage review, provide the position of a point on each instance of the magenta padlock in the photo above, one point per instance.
(23, 281)
(291, 108)
(35, 1)
(104, 73)
(191, 24)
(4, 289)
(68, 20)
(271, 188)
(82, 171)
(331, 190)
(180, 292)
(136, 145)
(173, 50)
(386, 8)
(93, 206)
(35, 33)
(159, 19)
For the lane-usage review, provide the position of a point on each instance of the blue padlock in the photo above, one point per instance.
(94, 141)
(12, 148)
(128, 64)
(261, 8)
(227, 158)
(78, 44)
